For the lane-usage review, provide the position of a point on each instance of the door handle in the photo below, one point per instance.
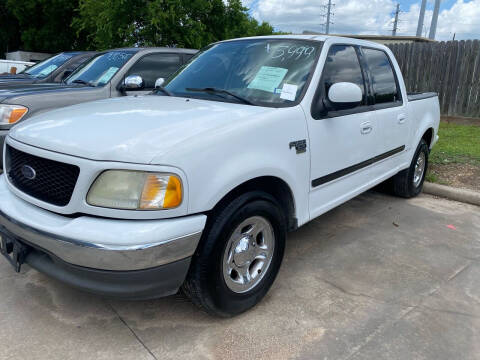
(366, 128)
(401, 119)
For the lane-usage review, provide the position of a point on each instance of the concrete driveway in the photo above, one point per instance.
(377, 278)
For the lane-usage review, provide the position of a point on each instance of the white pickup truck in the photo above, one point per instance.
(196, 185)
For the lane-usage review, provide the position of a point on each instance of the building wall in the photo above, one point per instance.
(26, 56)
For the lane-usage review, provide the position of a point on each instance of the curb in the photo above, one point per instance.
(462, 195)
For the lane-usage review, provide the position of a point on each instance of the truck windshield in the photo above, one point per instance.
(266, 72)
(100, 69)
(46, 67)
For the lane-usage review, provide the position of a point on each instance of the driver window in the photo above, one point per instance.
(154, 66)
(342, 65)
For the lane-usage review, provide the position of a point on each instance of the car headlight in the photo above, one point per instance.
(10, 114)
(136, 190)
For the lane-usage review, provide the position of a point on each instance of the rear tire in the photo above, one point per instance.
(231, 252)
(409, 182)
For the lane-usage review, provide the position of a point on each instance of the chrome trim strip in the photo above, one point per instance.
(104, 257)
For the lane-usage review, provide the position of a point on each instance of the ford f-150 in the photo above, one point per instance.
(196, 185)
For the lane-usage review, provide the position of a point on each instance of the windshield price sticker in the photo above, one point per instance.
(268, 78)
(107, 75)
(289, 92)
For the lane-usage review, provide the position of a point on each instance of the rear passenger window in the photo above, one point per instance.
(383, 77)
(342, 65)
(154, 66)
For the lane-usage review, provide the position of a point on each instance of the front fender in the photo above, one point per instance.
(218, 162)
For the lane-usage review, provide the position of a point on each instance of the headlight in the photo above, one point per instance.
(10, 114)
(136, 190)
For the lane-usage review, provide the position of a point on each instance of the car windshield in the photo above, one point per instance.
(267, 72)
(46, 67)
(100, 69)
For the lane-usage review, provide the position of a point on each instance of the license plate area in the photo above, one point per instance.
(13, 250)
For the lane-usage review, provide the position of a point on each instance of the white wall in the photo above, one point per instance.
(6, 65)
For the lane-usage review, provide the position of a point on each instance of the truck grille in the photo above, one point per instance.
(47, 180)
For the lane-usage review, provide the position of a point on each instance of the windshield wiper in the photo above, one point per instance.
(80, 81)
(215, 91)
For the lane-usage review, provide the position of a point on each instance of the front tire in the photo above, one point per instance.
(409, 182)
(239, 255)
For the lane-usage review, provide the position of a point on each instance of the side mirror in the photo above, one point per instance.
(133, 82)
(159, 82)
(345, 94)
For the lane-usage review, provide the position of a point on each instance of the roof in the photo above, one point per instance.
(375, 37)
(161, 49)
(293, 36)
(75, 53)
(314, 37)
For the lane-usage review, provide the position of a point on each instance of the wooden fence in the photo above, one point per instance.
(450, 68)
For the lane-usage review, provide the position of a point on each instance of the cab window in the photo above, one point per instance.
(342, 65)
(383, 78)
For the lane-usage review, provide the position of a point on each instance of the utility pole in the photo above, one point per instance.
(395, 24)
(329, 10)
(327, 15)
(421, 18)
(433, 26)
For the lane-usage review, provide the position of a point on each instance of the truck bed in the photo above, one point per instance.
(420, 96)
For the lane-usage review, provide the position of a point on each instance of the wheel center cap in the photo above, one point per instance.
(242, 252)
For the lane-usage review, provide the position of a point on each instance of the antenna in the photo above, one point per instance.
(327, 14)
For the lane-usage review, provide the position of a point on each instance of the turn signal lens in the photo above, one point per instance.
(173, 196)
(161, 191)
(16, 115)
(10, 114)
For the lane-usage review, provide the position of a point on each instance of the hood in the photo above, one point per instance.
(15, 77)
(130, 129)
(15, 90)
(16, 82)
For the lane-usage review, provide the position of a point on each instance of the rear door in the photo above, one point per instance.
(343, 142)
(390, 109)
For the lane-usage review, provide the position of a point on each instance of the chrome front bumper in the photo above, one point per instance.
(100, 243)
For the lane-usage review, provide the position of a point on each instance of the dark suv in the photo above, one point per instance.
(51, 70)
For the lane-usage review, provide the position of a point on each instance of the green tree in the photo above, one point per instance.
(45, 25)
(9, 31)
(111, 23)
(182, 23)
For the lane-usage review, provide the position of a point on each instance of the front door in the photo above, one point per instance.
(153, 66)
(343, 141)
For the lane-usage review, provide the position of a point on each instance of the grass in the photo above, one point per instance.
(455, 154)
(457, 144)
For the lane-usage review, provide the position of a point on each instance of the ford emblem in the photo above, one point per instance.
(28, 172)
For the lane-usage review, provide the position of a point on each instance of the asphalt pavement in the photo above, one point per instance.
(377, 278)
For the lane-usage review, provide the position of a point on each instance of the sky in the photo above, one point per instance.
(459, 17)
